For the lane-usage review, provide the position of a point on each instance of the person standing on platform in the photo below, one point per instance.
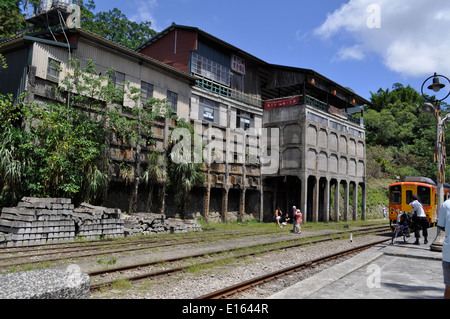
(444, 225)
(419, 220)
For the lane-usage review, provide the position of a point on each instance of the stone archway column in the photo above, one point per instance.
(363, 201)
(326, 201)
(355, 202)
(336, 201)
(316, 201)
(225, 203)
(304, 197)
(346, 200)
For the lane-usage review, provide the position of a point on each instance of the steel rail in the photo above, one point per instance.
(231, 290)
(170, 242)
(182, 268)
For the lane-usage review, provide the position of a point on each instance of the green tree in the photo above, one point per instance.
(11, 17)
(184, 174)
(112, 25)
(116, 27)
(396, 122)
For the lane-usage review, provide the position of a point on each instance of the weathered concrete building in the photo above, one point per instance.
(321, 144)
(31, 60)
(226, 106)
(251, 115)
(321, 148)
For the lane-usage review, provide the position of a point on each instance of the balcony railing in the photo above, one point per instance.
(228, 92)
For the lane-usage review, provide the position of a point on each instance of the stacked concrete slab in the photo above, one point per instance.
(95, 221)
(152, 224)
(37, 221)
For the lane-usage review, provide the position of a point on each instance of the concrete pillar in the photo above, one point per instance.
(225, 204)
(242, 204)
(346, 200)
(261, 202)
(355, 202)
(336, 201)
(326, 201)
(363, 202)
(316, 202)
(206, 198)
(303, 197)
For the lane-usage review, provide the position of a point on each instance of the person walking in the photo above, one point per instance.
(419, 220)
(294, 210)
(278, 214)
(298, 222)
(444, 225)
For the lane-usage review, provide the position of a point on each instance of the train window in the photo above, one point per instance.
(396, 195)
(409, 197)
(424, 195)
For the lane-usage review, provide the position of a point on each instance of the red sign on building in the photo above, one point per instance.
(237, 64)
(274, 104)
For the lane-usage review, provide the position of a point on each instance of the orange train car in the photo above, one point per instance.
(400, 196)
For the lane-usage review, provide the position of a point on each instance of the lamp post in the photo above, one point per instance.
(431, 108)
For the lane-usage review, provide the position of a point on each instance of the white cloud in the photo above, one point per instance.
(351, 53)
(145, 11)
(409, 36)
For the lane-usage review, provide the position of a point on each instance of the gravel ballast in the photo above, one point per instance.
(45, 284)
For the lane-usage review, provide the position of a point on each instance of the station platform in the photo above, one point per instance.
(398, 271)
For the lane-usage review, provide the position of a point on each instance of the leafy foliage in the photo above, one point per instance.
(11, 17)
(115, 26)
(400, 136)
(112, 25)
(59, 149)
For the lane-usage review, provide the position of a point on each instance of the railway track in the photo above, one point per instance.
(252, 283)
(152, 273)
(58, 252)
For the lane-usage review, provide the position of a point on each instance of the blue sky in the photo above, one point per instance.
(361, 44)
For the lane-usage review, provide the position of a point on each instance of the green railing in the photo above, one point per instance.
(227, 92)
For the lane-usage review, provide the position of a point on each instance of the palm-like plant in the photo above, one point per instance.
(155, 174)
(11, 168)
(183, 177)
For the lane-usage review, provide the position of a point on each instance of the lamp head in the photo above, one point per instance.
(436, 86)
(429, 108)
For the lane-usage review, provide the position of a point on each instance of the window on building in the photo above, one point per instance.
(209, 110)
(118, 79)
(146, 91)
(53, 68)
(244, 120)
(209, 69)
(172, 100)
